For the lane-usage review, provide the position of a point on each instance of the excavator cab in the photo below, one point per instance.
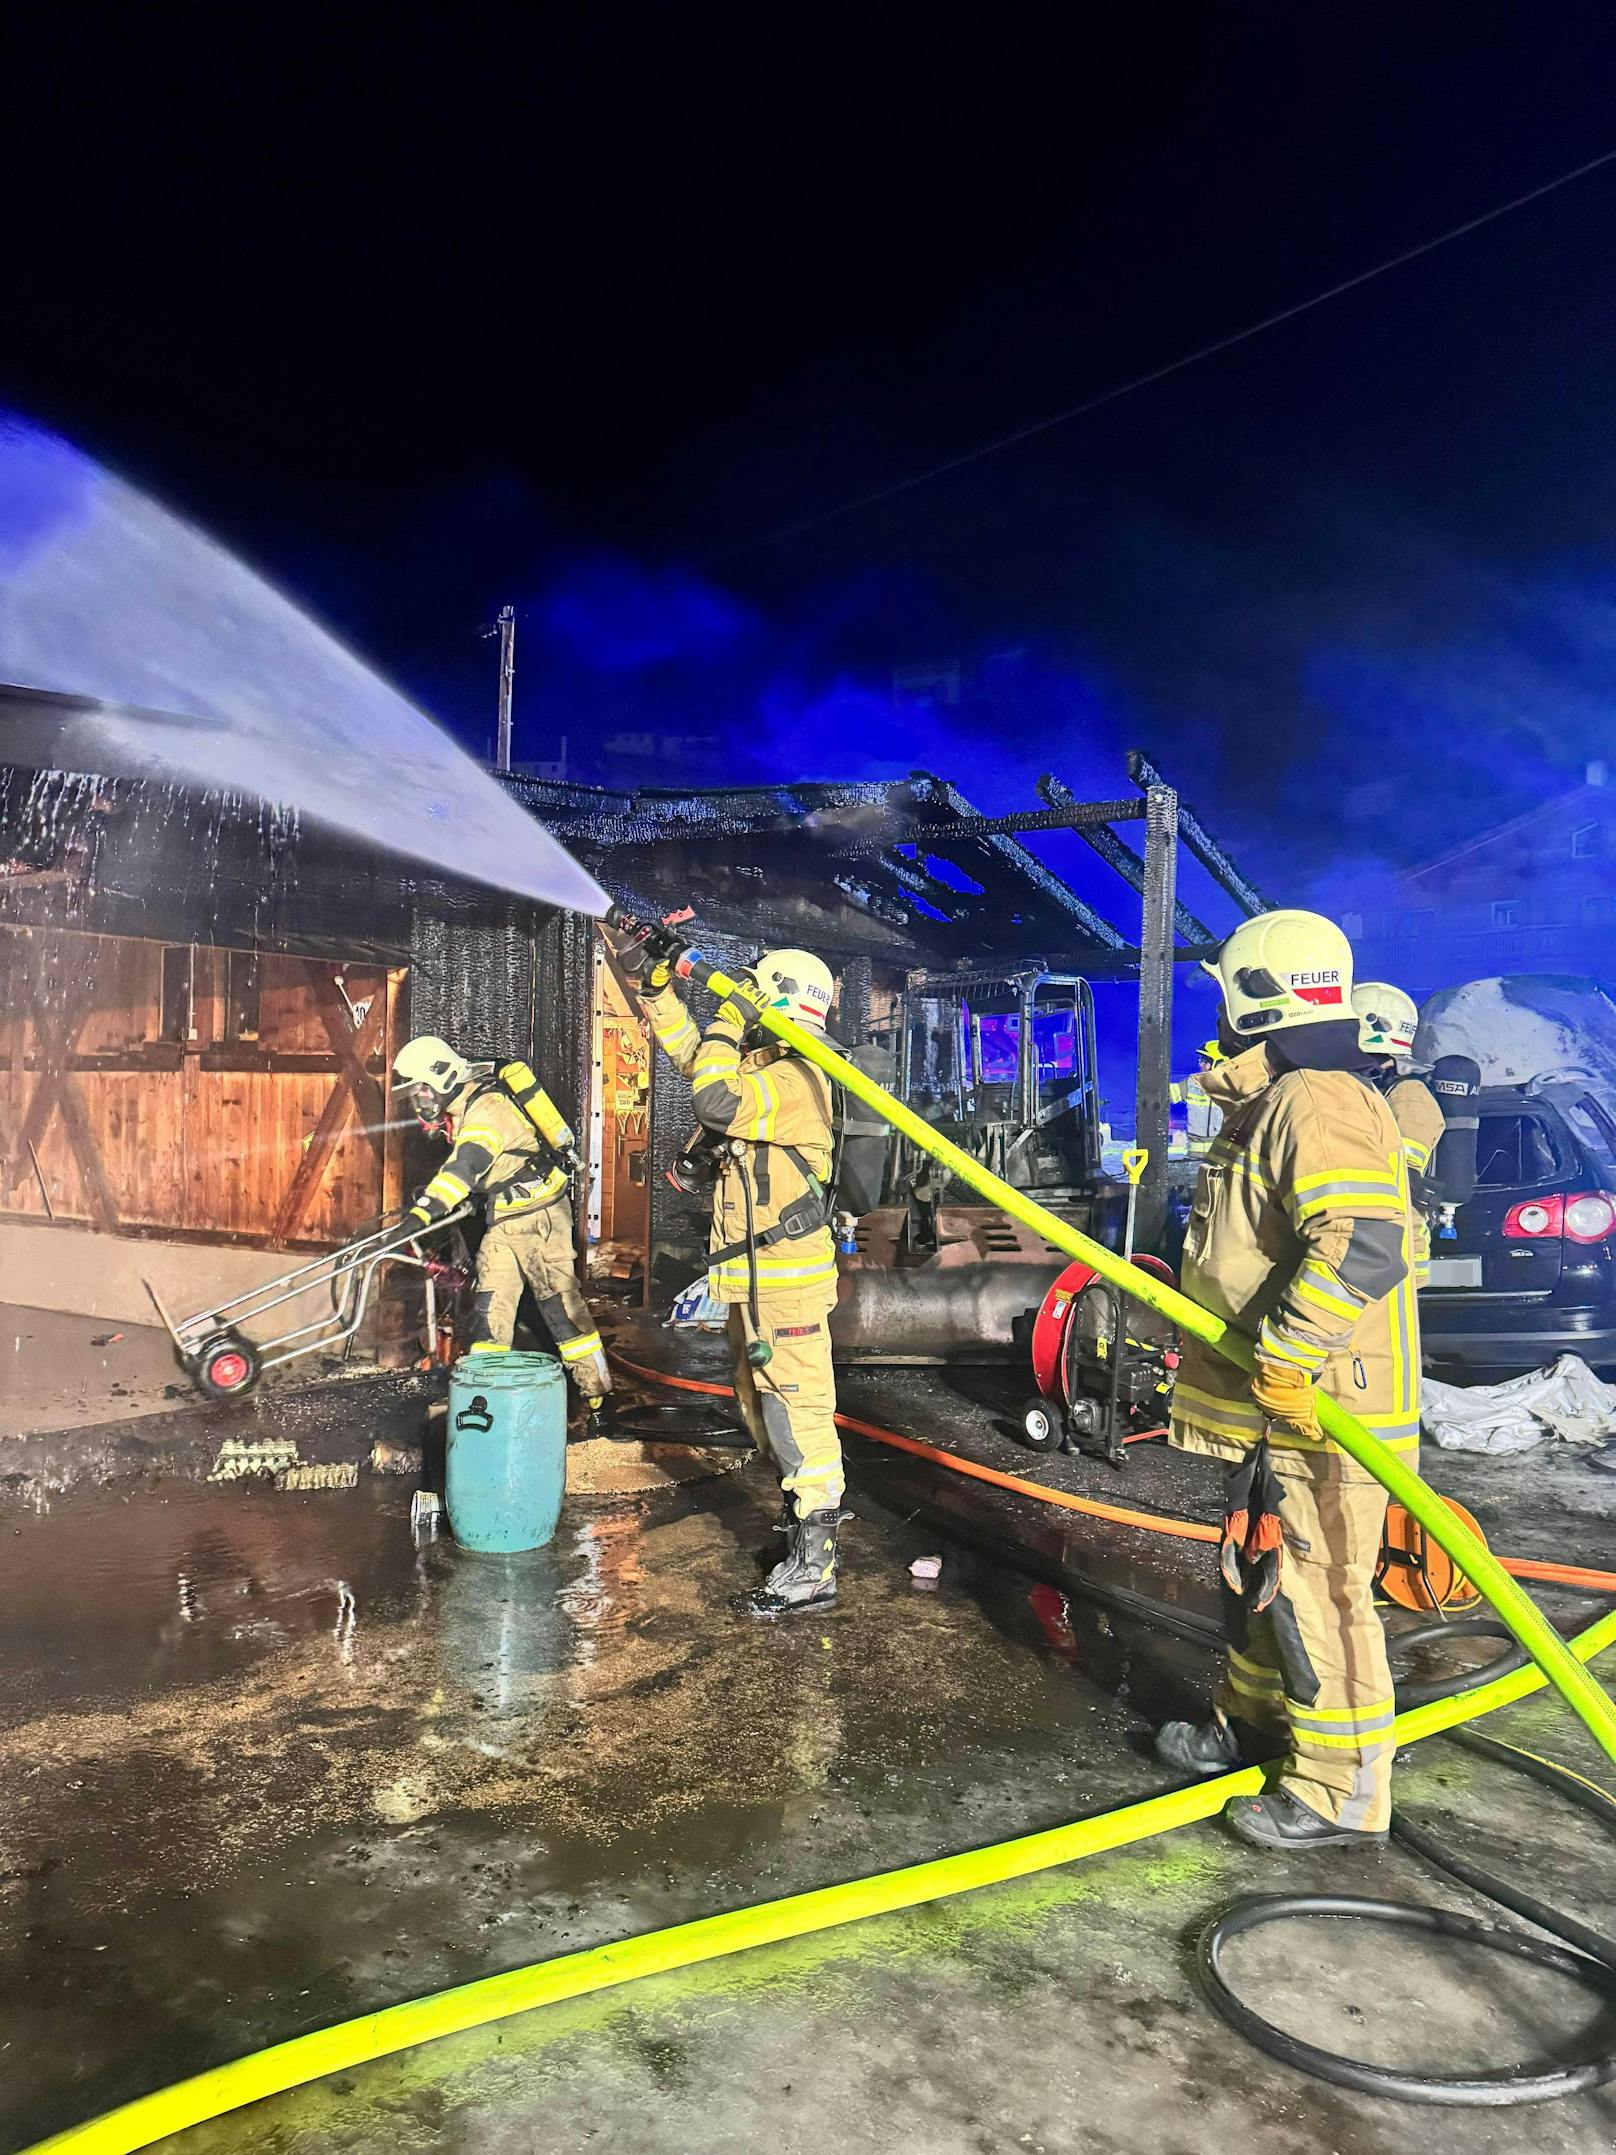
(1004, 1065)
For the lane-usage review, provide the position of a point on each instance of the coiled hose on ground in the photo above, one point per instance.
(1582, 1954)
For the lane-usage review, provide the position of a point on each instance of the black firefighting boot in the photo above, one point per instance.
(1202, 1748)
(805, 1577)
(1277, 1820)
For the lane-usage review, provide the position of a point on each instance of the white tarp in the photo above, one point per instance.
(1566, 1401)
(208, 676)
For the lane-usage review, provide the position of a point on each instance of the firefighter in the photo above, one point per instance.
(519, 1157)
(1201, 1116)
(1300, 1236)
(771, 1255)
(1388, 1020)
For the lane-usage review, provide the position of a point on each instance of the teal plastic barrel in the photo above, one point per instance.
(507, 1451)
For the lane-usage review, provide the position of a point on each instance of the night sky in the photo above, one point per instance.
(426, 310)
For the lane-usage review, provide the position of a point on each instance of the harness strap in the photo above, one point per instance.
(542, 1155)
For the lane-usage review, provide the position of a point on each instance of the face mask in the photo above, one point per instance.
(428, 1108)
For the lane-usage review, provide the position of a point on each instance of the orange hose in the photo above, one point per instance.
(1152, 1522)
(1519, 1567)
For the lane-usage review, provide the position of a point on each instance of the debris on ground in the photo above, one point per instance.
(388, 1457)
(242, 1456)
(1565, 1401)
(319, 1474)
(926, 1567)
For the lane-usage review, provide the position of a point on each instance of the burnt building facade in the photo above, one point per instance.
(203, 997)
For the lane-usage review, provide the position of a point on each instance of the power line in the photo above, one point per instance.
(1172, 366)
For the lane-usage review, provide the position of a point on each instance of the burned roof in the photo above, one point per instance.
(878, 867)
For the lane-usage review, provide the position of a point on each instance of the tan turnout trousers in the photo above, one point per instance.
(536, 1249)
(1312, 1675)
(789, 1406)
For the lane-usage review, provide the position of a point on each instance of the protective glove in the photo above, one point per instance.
(1286, 1395)
(737, 1010)
(1251, 1546)
(646, 956)
(419, 1214)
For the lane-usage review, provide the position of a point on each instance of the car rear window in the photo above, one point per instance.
(1591, 1120)
(1516, 1152)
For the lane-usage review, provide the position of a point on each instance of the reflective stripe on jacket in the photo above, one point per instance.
(767, 1100)
(1300, 1235)
(495, 1152)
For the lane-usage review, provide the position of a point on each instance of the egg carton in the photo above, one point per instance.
(320, 1474)
(240, 1457)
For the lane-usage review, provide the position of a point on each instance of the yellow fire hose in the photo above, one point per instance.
(1535, 1634)
(473, 2005)
(574, 1975)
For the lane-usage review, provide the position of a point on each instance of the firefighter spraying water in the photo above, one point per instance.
(768, 1143)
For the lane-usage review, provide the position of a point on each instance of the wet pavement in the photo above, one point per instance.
(270, 1762)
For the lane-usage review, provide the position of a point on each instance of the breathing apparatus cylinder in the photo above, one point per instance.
(521, 1082)
(1451, 1179)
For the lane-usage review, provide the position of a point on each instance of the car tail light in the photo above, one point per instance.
(1537, 1218)
(1590, 1217)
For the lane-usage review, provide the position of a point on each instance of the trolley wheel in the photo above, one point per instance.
(1042, 1428)
(226, 1367)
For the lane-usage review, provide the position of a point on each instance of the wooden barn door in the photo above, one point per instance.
(147, 1087)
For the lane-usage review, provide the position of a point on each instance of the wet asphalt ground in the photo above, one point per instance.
(269, 1762)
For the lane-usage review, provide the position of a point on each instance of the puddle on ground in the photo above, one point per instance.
(270, 1760)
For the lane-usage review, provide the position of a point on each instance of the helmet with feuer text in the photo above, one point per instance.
(1283, 969)
(1387, 1019)
(797, 984)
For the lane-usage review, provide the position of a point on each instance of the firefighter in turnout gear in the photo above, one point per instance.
(1202, 1116)
(510, 1147)
(771, 1255)
(1388, 1020)
(1300, 1235)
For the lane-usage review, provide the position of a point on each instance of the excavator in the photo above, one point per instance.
(1003, 1064)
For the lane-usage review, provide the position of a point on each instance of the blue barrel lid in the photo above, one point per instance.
(507, 1369)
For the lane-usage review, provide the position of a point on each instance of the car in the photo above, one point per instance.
(1528, 1270)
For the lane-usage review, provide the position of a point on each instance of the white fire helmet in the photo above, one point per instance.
(797, 984)
(1387, 1019)
(1283, 969)
(430, 1071)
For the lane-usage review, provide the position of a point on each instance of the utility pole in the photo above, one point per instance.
(1158, 912)
(507, 684)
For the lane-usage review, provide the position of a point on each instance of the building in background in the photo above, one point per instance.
(1535, 894)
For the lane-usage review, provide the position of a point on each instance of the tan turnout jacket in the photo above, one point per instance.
(766, 1100)
(1301, 1236)
(495, 1152)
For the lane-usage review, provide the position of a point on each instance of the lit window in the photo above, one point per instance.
(1585, 842)
(1506, 913)
(243, 994)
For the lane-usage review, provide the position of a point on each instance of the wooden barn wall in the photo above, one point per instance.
(256, 1138)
